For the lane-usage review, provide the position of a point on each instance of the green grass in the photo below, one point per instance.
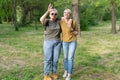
(97, 56)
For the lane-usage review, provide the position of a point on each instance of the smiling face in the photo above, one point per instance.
(53, 14)
(67, 13)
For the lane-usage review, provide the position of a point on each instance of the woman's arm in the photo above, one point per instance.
(42, 19)
(75, 32)
(69, 23)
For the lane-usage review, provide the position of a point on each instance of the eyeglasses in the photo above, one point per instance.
(55, 14)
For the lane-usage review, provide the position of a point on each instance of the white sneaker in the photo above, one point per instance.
(68, 78)
(65, 74)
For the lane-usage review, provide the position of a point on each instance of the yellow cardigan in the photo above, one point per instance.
(67, 34)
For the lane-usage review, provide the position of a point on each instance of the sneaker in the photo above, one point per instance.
(68, 78)
(54, 76)
(65, 74)
(47, 77)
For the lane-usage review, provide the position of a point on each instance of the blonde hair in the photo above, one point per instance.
(55, 10)
(68, 10)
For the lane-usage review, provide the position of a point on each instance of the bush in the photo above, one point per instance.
(107, 16)
(83, 24)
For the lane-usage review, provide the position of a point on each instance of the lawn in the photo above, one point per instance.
(97, 56)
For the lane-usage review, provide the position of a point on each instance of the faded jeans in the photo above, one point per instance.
(69, 52)
(51, 55)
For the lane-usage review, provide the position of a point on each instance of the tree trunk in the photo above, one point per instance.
(76, 16)
(30, 16)
(14, 15)
(113, 17)
(0, 20)
(25, 13)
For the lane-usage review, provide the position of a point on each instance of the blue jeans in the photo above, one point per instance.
(51, 54)
(69, 51)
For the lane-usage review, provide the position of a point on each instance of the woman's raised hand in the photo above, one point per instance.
(50, 6)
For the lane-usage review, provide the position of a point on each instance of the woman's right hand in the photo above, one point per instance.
(50, 6)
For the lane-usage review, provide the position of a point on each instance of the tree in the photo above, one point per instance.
(113, 17)
(6, 10)
(76, 13)
(14, 17)
(32, 9)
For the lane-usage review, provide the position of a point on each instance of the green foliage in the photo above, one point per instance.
(6, 10)
(91, 11)
(64, 3)
(83, 24)
(107, 16)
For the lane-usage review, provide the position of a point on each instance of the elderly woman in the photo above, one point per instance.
(69, 42)
(52, 43)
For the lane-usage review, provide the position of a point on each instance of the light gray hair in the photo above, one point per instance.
(68, 10)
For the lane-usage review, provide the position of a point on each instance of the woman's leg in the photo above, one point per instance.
(72, 48)
(65, 52)
(47, 56)
(56, 54)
